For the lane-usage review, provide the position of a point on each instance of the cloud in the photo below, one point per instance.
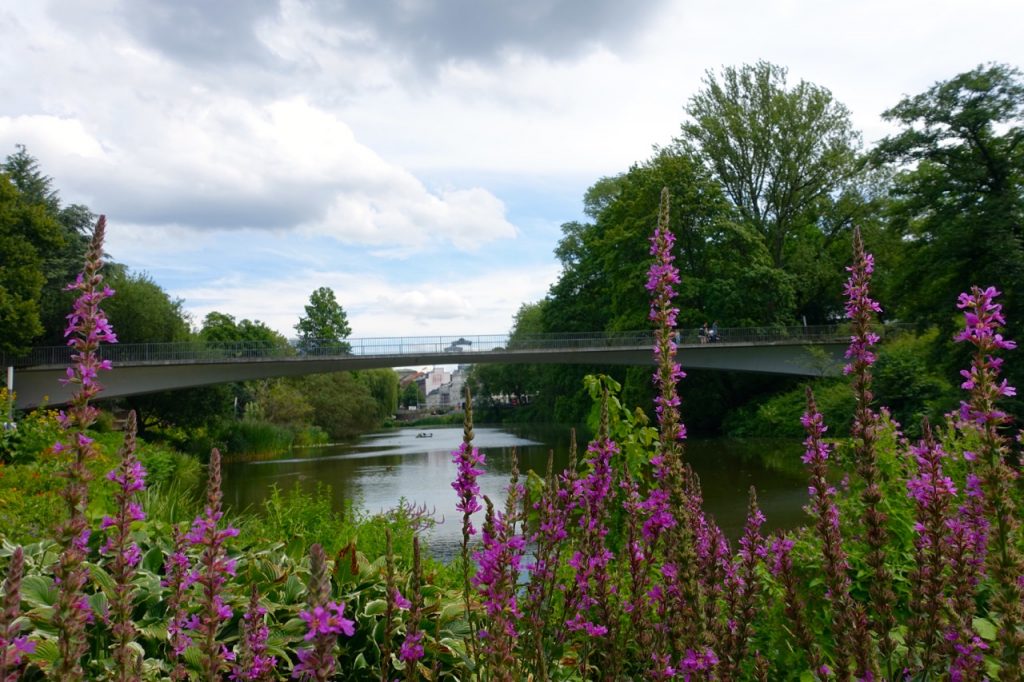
(431, 33)
(435, 303)
(217, 162)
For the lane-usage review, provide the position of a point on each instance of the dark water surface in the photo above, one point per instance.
(381, 468)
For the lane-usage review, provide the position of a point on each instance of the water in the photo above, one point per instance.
(381, 468)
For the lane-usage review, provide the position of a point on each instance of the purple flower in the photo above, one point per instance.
(214, 569)
(251, 659)
(467, 458)
(87, 328)
(983, 317)
(325, 620)
(400, 601)
(662, 276)
(412, 648)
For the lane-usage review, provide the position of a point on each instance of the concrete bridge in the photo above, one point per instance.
(150, 368)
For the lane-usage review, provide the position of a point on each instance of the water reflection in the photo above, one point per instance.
(382, 468)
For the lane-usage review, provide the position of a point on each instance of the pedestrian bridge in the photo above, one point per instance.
(150, 368)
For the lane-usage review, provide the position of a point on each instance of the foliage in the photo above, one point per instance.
(325, 323)
(343, 406)
(27, 232)
(903, 382)
(382, 385)
(142, 312)
(412, 394)
(222, 328)
(958, 192)
(787, 158)
(188, 408)
(253, 437)
(281, 402)
(780, 152)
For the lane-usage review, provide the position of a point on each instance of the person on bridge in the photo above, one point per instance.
(702, 333)
(714, 332)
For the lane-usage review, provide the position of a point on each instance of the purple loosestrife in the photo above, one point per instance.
(547, 541)
(497, 578)
(412, 651)
(862, 310)
(123, 554)
(675, 482)
(980, 413)
(251, 662)
(781, 567)
(211, 575)
(87, 329)
(851, 641)
(14, 646)
(593, 610)
(661, 280)
(177, 579)
(967, 545)
(325, 621)
(742, 587)
(932, 492)
(466, 459)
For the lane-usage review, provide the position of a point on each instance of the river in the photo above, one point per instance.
(381, 468)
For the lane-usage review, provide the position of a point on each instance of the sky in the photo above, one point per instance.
(416, 156)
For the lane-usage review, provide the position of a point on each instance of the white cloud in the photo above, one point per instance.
(376, 305)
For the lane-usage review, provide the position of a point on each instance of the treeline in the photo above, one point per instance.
(767, 180)
(43, 244)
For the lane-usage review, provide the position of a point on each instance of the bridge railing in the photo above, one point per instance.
(458, 348)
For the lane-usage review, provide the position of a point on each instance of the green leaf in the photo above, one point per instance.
(376, 607)
(38, 591)
(46, 653)
(986, 629)
(99, 575)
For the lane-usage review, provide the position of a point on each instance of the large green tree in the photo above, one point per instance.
(324, 324)
(343, 406)
(958, 198)
(787, 158)
(726, 270)
(62, 257)
(27, 232)
(141, 311)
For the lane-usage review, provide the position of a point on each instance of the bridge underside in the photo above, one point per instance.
(37, 386)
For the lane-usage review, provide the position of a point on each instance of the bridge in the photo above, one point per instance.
(151, 368)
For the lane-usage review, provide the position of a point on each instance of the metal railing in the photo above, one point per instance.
(458, 348)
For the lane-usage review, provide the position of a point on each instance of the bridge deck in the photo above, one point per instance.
(147, 368)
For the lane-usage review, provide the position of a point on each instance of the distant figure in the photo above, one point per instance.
(702, 333)
(714, 332)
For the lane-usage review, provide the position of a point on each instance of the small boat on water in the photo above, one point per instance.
(424, 434)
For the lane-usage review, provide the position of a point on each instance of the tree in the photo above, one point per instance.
(325, 323)
(222, 328)
(61, 254)
(27, 232)
(412, 395)
(142, 312)
(281, 402)
(342, 405)
(958, 200)
(780, 153)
